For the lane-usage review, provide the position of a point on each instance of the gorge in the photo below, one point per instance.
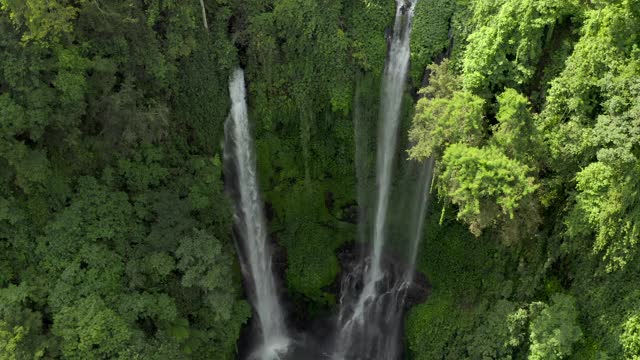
(372, 296)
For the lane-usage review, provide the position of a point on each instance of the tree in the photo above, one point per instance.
(555, 330)
(207, 267)
(607, 207)
(89, 329)
(21, 329)
(430, 34)
(606, 199)
(44, 20)
(441, 122)
(576, 95)
(516, 133)
(505, 51)
(445, 116)
(494, 340)
(487, 186)
(630, 338)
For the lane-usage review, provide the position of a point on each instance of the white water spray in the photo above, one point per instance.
(254, 249)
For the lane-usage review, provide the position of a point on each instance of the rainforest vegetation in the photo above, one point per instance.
(116, 232)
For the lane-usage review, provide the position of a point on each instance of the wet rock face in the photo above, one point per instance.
(380, 334)
(419, 292)
(353, 266)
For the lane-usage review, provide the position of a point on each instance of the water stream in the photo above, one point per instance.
(252, 237)
(372, 295)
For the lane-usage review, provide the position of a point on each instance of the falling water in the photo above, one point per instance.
(367, 326)
(254, 249)
(419, 212)
(393, 86)
(415, 216)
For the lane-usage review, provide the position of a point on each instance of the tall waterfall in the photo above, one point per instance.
(395, 76)
(253, 246)
(369, 321)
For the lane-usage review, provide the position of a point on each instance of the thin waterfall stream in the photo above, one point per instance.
(253, 244)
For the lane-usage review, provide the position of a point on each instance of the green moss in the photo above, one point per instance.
(436, 329)
(313, 264)
(307, 198)
(311, 235)
(367, 22)
(430, 34)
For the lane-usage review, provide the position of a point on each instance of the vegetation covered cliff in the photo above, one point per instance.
(116, 235)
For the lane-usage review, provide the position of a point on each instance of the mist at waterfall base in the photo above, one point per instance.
(377, 284)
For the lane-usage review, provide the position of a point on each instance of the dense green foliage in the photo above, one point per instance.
(302, 62)
(552, 181)
(115, 235)
(115, 232)
(484, 183)
(430, 34)
(445, 115)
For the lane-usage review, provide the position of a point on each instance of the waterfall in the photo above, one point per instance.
(393, 86)
(370, 319)
(253, 246)
(419, 213)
